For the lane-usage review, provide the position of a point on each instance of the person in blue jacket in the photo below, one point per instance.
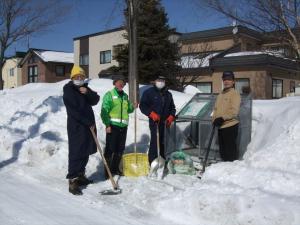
(157, 103)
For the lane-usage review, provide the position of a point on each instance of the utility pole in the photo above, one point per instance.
(132, 67)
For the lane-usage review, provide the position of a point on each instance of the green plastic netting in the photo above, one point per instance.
(181, 163)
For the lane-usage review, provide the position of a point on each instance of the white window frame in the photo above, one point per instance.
(198, 84)
(32, 74)
(277, 84)
(237, 87)
(104, 59)
(11, 72)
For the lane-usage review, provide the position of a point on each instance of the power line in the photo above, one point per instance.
(111, 15)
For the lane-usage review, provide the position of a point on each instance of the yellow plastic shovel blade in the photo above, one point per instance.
(135, 164)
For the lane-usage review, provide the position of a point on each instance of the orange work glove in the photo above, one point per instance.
(170, 120)
(154, 116)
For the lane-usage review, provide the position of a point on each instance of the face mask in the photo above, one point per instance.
(160, 84)
(78, 82)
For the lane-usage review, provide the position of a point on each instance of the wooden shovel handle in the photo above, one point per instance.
(114, 184)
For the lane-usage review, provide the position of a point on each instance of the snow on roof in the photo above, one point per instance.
(192, 61)
(54, 56)
(273, 53)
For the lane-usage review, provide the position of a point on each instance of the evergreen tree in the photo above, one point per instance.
(156, 54)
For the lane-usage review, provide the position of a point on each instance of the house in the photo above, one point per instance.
(11, 74)
(96, 52)
(260, 64)
(40, 65)
(265, 68)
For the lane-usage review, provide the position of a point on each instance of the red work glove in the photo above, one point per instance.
(154, 116)
(170, 120)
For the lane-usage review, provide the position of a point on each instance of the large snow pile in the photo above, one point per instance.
(264, 188)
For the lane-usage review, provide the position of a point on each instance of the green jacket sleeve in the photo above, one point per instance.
(130, 107)
(106, 108)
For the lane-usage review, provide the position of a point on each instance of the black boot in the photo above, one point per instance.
(74, 186)
(83, 180)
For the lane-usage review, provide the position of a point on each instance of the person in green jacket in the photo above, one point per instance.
(115, 116)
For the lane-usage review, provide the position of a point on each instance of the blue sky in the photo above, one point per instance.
(91, 16)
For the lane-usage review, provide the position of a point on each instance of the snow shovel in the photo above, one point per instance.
(116, 190)
(135, 164)
(159, 162)
(201, 172)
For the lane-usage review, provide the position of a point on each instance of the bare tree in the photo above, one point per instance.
(21, 18)
(193, 56)
(277, 19)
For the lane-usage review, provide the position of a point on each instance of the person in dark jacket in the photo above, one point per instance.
(157, 103)
(79, 99)
(115, 111)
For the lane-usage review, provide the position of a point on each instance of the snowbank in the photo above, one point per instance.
(264, 188)
(190, 89)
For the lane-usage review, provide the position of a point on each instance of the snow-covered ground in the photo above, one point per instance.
(264, 188)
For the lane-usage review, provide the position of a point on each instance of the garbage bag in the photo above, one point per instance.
(181, 163)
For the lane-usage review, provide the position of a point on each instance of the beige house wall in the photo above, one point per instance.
(286, 78)
(16, 79)
(257, 81)
(249, 44)
(99, 43)
(260, 81)
(94, 44)
(260, 78)
(220, 44)
(205, 46)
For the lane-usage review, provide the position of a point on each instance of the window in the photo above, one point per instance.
(204, 87)
(11, 72)
(105, 57)
(292, 86)
(60, 70)
(116, 50)
(84, 59)
(277, 88)
(241, 83)
(32, 74)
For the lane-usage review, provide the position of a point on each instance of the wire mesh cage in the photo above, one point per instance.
(192, 128)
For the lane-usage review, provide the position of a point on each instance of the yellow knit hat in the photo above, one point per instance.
(77, 70)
